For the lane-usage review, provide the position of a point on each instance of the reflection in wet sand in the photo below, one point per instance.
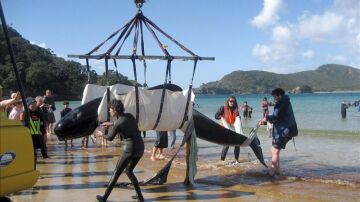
(308, 175)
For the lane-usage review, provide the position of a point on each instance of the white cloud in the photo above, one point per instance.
(308, 54)
(281, 50)
(318, 26)
(337, 27)
(268, 15)
(42, 45)
(339, 59)
(281, 34)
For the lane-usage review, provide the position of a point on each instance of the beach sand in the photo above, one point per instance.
(81, 174)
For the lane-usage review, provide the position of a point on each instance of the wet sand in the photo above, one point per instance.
(314, 172)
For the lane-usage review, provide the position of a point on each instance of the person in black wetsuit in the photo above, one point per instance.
(343, 109)
(133, 147)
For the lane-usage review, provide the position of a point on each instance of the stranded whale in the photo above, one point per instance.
(82, 121)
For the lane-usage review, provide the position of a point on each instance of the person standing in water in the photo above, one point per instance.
(343, 109)
(228, 113)
(285, 127)
(265, 107)
(133, 147)
(245, 109)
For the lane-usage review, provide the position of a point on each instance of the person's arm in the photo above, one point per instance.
(7, 102)
(280, 109)
(219, 113)
(116, 129)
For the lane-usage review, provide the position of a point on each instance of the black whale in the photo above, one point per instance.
(83, 120)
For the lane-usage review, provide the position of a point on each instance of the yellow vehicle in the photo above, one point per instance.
(17, 169)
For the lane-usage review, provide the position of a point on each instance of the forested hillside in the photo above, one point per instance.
(330, 77)
(41, 69)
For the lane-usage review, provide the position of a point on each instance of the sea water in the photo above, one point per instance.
(316, 111)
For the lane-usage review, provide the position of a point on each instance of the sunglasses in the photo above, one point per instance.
(232, 101)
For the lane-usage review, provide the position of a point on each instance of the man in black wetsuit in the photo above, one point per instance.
(133, 147)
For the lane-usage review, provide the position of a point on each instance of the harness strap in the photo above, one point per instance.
(185, 118)
(112, 35)
(143, 52)
(163, 93)
(143, 18)
(136, 89)
(126, 36)
(169, 37)
(88, 70)
(107, 91)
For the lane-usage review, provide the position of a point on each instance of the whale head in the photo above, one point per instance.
(80, 122)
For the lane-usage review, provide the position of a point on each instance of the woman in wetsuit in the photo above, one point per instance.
(133, 147)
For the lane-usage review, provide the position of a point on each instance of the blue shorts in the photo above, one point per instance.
(279, 141)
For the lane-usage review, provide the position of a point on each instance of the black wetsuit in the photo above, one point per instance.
(343, 110)
(133, 149)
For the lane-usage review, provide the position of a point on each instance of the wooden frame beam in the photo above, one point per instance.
(140, 57)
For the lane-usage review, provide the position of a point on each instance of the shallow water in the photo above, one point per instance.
(309, 174)
(332, 159)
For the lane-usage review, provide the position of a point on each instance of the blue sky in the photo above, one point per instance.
(280, 36)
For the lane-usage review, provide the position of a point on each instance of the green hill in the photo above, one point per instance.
(329, 77)
(41, 69)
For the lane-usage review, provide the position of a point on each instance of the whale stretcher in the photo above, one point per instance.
(82, 121)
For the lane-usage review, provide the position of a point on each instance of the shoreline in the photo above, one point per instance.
(80, 174)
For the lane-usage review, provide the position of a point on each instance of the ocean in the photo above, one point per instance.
(314, 111)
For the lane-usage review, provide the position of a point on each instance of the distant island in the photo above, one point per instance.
(326, 78)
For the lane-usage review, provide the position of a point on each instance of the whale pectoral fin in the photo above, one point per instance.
(255, 146)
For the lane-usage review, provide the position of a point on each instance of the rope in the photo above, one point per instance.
(252, 135)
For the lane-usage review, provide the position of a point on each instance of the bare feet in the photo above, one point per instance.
(152, 158)
(161, 157)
